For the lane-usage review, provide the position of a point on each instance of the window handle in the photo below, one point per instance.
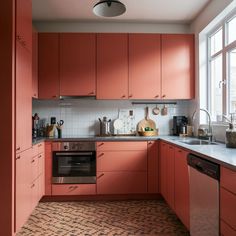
(222, 82)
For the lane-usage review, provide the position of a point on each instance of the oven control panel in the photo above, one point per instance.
(74, 146)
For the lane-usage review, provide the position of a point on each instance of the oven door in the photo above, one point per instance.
(74, 167)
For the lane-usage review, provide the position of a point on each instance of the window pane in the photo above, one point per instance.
(231, 26)
(216, 86)
(216, 42)
(232, 80)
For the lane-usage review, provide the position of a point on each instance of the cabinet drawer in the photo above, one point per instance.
(40, 163)
(122, 161)
(228, 207)
(226, 230)
(34, 168)
(228, 179)
(35, 150)
(73, 189)
(40, 147)
(117, 146)
(121, 182)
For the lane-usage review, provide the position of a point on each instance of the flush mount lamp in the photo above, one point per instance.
(109, 8)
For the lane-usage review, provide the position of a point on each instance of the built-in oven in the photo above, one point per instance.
(74, 162)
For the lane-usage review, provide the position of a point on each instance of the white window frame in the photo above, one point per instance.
(225, 69)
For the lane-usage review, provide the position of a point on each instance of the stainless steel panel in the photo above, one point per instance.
(74, 180)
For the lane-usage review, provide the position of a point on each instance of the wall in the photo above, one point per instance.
(81, 116)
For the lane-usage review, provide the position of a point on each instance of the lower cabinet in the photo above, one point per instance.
(48, 168)
(121, 167)
(73, 189)
(174, 180)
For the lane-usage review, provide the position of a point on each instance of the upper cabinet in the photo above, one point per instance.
(35, 64)
(48, 65)
(144, 66)
(177, 63)
(24, 23)
(112, 66)
(77, 64)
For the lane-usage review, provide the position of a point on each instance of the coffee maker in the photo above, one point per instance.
(179, 125)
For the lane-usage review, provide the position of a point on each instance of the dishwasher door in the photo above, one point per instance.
(204, 204)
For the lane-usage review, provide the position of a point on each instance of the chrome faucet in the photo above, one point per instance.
(209, 132)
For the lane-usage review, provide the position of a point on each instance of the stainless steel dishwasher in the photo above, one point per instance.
(204, 196)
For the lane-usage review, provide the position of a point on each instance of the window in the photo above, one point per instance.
(222, 69)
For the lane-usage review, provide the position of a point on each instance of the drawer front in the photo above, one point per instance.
(226, 230)
(73, 189)
(122, 161)
(40, 163)
(40, 147)
(121, 182)
(34, 168)
(117, 146)
(228, 179)
(228, 207)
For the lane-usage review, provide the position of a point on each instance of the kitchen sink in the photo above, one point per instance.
(198, 142)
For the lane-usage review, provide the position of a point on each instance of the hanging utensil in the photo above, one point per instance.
(60, 123)
(156, 110)
(164, 110)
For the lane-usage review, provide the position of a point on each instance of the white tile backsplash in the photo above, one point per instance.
(81, 116)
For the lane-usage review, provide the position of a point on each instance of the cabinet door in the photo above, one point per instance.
(112, 66)
(48, 65)
(77, 64)
(122, 161)
(23, 98)
(181, 186)
(121, 182)
(22, 186)
(177, 66)
(24, 23)
(35, 64)
(170, 176)
(48, 169)
(144, 66)
(163, 168)
(153, 167)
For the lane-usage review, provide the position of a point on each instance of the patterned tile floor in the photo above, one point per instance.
(100, 218)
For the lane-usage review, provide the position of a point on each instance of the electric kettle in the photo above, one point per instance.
(105, 126)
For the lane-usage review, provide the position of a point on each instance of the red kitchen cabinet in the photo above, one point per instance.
(24, 23)
(177, 66)
(23, 193)
(48, 169)
(23, 98)
(48, 65)
(73, 189)
(153, 172)
(121, 182)
(77, 64)
(35, 64)
(181, 186)
(144, 66)
(121, 167)
(112, 66)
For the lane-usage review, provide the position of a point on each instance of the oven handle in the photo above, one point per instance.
(74, 154)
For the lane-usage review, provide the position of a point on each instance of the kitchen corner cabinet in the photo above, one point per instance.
(121, 167)
(23, 98)
(24, 23)
(227, 202)
(144, 66)
(181, 186)
(177, 66)
(48, 65)
(152, 155)
(35, 64)
(112, 66)
(77, 64)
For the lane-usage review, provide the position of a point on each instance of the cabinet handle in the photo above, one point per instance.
(163, 96)
(179, 150)
(33, 185)
(149, 143)
(18, 157)
(101, 154)
(33, 161)
(157, 96)
(100, 144)
(54, 96)
(123, 96)
(131, 95)
(91, 93)
(18, 149)
(100, 176)
(34, 94)
(39, 156)
(73, 187)
(40, 145)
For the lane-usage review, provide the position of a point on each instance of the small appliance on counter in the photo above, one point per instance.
(105, 126)
(180, 125)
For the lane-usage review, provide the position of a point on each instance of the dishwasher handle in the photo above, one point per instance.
(204, 166)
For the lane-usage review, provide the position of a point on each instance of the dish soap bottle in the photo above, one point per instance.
(230, 137)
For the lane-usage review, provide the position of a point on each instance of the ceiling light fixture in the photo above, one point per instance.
(109, 8)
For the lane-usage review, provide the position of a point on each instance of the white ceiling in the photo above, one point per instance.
(159, 11)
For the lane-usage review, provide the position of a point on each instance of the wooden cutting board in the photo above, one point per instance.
(146, 122)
